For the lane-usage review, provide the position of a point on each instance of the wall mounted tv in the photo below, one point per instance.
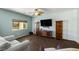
(46, 22)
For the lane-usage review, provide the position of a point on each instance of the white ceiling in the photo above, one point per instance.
(29, 11)
(25, 11)
(57, 9)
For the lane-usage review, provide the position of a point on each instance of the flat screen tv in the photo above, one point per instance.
(46, 22)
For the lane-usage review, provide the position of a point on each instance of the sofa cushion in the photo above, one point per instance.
(14, 42)
(20, 46)
(4, 44)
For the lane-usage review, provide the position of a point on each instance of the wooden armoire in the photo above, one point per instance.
(59, 30)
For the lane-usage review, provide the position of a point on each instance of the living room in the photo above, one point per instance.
(24, 25)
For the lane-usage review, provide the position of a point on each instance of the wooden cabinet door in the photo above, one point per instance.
(44, 33)
(59, 29)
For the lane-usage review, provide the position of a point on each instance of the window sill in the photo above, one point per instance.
(18, 29)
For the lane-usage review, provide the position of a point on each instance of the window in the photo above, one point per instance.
(18, 25)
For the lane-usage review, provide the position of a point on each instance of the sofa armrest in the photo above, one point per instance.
(9, 38)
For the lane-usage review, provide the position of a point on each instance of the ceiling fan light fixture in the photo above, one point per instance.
(36, 13)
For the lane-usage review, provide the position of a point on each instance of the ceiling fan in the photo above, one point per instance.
(38, 12)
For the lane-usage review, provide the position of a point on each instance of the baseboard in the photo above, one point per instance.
(21, 36)
(67, 39)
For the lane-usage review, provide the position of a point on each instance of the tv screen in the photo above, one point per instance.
(46, 22)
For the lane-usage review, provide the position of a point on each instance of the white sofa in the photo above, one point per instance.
(9, 43)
